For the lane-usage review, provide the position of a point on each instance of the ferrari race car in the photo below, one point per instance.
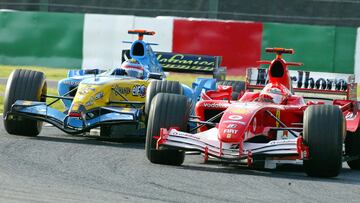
(283, 117)
(117, 100)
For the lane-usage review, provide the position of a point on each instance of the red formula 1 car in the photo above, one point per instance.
(272, 123)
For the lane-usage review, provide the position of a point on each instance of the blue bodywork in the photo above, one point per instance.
(140, 51)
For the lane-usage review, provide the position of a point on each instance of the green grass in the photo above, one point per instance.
(51, 73)
(57, 105)
(1, 104)
(2, 90)
(58, 73)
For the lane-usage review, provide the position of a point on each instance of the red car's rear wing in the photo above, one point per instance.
(309, 84)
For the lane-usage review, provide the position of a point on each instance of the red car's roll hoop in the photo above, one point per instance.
(141, 33)
(279, 52)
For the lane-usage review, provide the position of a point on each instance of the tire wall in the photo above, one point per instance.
(95, 41)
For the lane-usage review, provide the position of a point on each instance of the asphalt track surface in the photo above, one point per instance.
(55, 167)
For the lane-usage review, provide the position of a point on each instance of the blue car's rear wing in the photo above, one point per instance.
(187, 63)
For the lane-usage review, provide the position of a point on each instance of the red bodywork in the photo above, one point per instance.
(290, 112)
(251, 118)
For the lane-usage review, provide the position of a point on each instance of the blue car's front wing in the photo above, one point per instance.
(73, 125)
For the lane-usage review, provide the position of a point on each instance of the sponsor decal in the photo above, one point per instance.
(235, 117)
(186, 62)
(169, 61)
(228, 136)
(276, 142)
(308, 80)
(99, 95)
(284, 135)
(71, 82)
(214, 105)
(277, 114)
(183, 134)
(139, 90)
(86, 90)
(231, 126)
(231, 131)
(304, 80)
(121, 90)
(350, 116)
(240, 111)
(90, 102)
(232, 121)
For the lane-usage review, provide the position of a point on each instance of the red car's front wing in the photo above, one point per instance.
(284, 151)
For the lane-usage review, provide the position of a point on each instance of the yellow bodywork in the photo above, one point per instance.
(91, 96)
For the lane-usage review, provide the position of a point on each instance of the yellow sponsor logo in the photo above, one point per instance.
(240, 111)
(277, 114)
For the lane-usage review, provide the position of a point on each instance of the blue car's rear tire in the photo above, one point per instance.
(160, 86)
(167, 110)
(323, 134)
(238, 87)
(23, 85)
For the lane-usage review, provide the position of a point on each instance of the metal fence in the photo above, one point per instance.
(321, 12)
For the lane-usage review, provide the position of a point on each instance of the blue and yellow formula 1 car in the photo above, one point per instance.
(117, 100)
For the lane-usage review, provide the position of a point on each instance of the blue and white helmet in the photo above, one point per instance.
(133, 68)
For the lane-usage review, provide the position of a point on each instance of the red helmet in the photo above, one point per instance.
(276, 93)
(133, 68)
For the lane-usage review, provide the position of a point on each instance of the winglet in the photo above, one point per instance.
(141, 33)
(279, 51)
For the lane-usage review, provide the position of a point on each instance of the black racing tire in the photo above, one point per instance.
(161, 86)
(23, 85)
(167, 110)
(324, 130)
(352, 148)
(238, 87)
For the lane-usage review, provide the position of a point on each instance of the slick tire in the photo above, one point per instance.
(161, 86)
(238, 87)
(23, 85)
(167, 110)
(323, 134)
(352, 148)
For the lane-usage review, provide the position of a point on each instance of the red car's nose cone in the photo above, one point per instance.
(234, 122)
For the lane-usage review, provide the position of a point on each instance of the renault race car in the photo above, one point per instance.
(271, 123)
(107, 99)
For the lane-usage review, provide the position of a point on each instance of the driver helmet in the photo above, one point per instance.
(133, 68)
(277, 94)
